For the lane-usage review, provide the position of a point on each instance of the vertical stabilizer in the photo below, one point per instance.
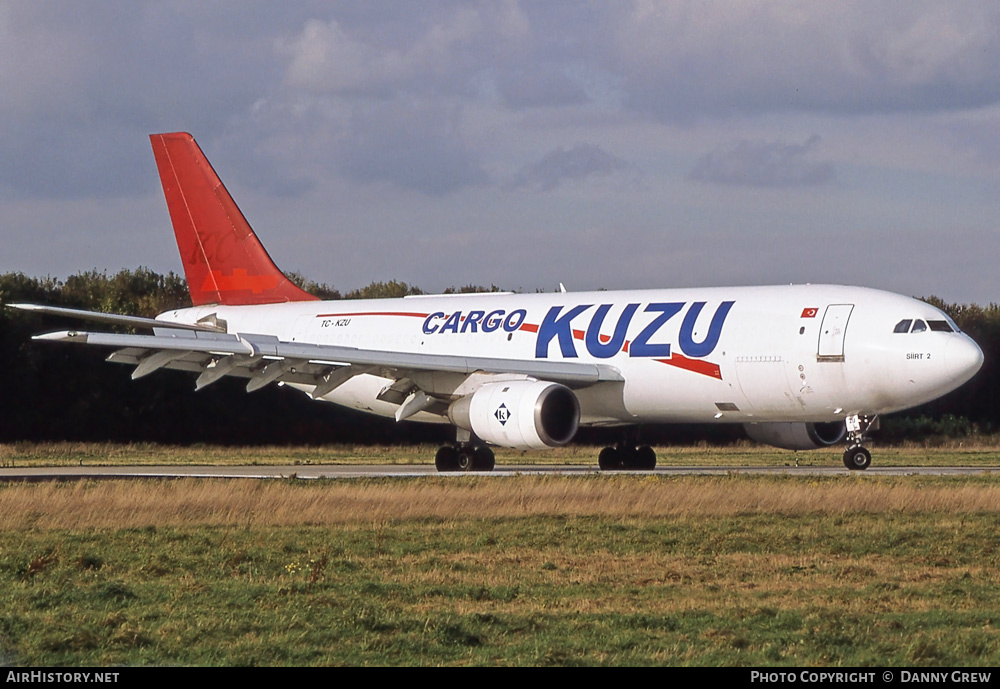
(224, 262)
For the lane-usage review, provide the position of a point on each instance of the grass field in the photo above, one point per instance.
(983, 451)
(527, 570)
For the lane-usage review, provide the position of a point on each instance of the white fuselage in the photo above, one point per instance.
(803, 353)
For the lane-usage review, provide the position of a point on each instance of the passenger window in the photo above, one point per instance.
(903, 326)
(919, 326)
(939, 326)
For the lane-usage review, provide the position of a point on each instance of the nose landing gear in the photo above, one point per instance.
(857, 457)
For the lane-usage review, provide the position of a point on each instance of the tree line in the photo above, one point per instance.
(63, 392)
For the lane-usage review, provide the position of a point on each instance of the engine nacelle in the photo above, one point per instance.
(524, 414)
(797, 436)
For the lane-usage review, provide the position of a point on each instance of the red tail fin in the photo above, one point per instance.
(223, 260)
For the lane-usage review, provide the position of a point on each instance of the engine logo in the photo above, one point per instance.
(502, 413)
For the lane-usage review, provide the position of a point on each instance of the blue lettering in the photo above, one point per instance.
(554, 326)
(427, 323)
(472, 320)
(707, 345)
(452, 323)
(640, 345)
(593, 339)
(492, 321)
(509, 324)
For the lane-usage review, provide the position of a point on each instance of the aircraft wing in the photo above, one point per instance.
(265, 358)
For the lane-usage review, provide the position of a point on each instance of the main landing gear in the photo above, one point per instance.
(857, 457)
(464, 457)
(627, 454)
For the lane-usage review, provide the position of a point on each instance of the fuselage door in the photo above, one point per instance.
(832, 332)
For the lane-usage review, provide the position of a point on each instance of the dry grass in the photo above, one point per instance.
(859, 570)
(981, 451)
(118, 504)
(103, 454)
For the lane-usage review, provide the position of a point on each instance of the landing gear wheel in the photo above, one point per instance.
(466, 459)
(609, 459)
(857, 459)
(446, 459)
(624, 457)
(645, 458)
(627, 454)
(483, 459)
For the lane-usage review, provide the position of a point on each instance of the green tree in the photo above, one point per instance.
(472, 289)
(384, 290)
(317, 289)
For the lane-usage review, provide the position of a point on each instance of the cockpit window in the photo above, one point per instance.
(919, 326)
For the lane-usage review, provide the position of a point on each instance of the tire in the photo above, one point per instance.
(483, 459)
(609, 459)
(446, 459)
(857, 459)
(645, 458)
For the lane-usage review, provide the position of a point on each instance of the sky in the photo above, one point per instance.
(604, 145)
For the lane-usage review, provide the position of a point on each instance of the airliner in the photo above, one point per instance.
(800, 366)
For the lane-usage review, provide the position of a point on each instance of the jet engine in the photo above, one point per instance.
(523, 414)
(797, 436)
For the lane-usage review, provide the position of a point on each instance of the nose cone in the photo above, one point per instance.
(963, 359)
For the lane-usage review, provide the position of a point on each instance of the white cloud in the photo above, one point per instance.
(419, 123)
(682, 61)
(324, 58)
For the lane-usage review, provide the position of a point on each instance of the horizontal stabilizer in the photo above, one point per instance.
(114, 318)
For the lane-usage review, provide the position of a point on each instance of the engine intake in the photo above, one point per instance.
(797, 436)
(523, 414)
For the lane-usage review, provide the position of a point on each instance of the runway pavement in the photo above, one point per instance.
(330, 471)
